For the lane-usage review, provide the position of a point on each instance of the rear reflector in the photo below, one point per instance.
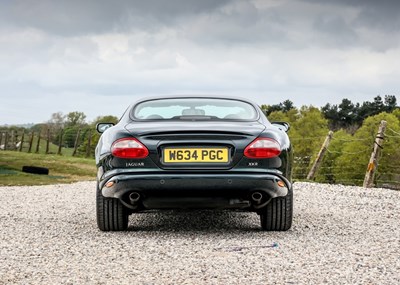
(262, 148)
(281, 183)
(129, 148)
(110, 184)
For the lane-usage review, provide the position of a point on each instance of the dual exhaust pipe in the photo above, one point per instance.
(259, 199)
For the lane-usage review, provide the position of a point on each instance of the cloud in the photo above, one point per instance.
(369, 19)
(74, 17)
(60, 55)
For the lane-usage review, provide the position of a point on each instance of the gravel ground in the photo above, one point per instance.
(340, 235)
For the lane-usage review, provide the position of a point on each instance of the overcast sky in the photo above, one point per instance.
(98, 56)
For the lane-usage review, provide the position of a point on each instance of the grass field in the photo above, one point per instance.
(62, 169)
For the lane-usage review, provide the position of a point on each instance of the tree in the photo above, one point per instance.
(278, 116)
(268, 109)
(55, 125)
(290, 116)
(285, 107)
(364, 111)
(75, 119)
(57, 120)
(332, 115)
(377, 105)
(347, 113)
(390, 103)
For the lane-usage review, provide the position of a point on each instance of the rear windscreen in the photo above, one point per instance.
(194, 108)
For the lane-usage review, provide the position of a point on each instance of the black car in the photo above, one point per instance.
(194, 152)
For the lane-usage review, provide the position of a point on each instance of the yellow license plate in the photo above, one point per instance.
(194, 155)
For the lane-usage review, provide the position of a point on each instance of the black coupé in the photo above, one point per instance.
(194, 152)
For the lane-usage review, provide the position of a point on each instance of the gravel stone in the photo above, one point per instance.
(340, 235)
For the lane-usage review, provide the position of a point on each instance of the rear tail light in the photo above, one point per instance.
(263, 148)
(129, 148)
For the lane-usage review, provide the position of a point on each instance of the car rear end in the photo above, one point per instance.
(194, 163)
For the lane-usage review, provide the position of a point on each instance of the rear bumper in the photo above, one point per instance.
(194, 188)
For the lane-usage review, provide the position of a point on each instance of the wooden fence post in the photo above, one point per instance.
(373, 161)
(320, 156)
(22, 141)
(38, 143)
(76, 142)
(89, 142)
(12, 140)
(48, 141)
(6, 141)
(60, 142)
(31, 141)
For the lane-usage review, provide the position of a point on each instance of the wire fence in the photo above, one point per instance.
(341, 163)
(72, 142)
(341, 166)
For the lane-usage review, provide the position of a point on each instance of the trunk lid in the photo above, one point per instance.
(199, 140)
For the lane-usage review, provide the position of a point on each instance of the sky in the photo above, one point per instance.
(99, 56)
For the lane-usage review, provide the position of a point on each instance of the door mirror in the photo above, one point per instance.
(284, 126)
(102, 127)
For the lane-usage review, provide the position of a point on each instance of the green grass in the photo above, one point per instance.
(62, 169)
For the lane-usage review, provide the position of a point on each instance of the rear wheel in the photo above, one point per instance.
(111, 214)
(278, 214)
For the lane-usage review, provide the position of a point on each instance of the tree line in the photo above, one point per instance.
(346, 115)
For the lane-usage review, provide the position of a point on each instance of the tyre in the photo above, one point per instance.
(278, 214)
(111, 214)
(35, 170)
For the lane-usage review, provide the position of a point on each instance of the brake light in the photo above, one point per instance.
(129, 148)
(263, 148)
